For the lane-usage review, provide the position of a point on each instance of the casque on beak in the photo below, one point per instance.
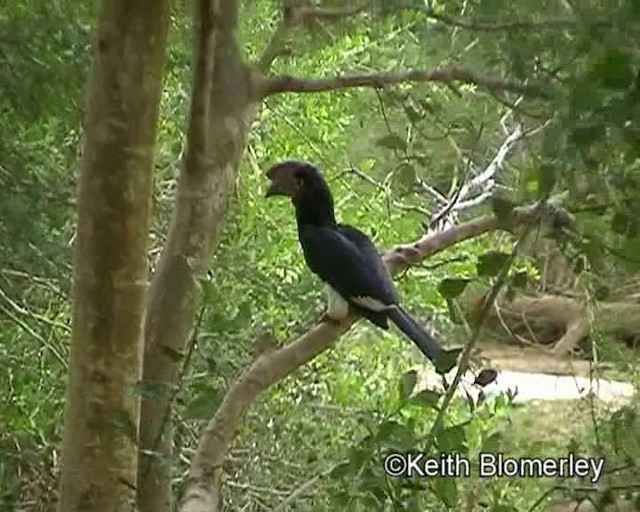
(281, 180)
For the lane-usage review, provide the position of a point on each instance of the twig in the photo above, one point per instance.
(26, 312)
(25, 327)
(490, 26)
(480, 181)
(466, 354)
(300, 491)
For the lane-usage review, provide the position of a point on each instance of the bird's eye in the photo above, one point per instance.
(299, 177)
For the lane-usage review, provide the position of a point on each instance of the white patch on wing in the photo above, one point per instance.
(370, 303)
(337, 307)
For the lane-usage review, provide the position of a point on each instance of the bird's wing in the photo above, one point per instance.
(347, 260)
(373, 260)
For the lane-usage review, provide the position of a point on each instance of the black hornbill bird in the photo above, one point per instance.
(345, 258)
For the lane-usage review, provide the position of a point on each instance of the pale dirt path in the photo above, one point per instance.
(537, 375)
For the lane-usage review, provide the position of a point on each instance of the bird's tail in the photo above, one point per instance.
(427, 344)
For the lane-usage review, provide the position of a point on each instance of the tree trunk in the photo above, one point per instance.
(110, 280)
(223, 106)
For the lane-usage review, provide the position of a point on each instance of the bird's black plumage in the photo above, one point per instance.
(341, 255)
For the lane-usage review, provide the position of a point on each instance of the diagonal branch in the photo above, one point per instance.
(294, 16)
(203, 482)
(447, 75)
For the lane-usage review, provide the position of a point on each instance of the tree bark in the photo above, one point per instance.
(223, 107)
(110, 278)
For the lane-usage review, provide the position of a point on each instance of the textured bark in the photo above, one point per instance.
(98, 453)
(223, 106)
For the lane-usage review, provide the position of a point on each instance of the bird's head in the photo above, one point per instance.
(289, 177)
(309, 192)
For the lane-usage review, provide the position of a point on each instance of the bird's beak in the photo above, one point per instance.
(276, 189)
(270, 192)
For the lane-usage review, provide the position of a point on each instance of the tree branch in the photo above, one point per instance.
(490, 26)
(446, 75)
(275, 46)
(294, 16)
(329, 13)
(203, 482)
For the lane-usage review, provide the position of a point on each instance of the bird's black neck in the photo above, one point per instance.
(314, 205)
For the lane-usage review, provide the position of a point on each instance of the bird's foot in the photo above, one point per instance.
(325, 318)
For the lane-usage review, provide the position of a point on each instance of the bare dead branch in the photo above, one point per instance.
(448, 75)
(203, 482)
(481, 186)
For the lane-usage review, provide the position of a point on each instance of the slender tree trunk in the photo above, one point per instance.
(222, 109)
(110, 280)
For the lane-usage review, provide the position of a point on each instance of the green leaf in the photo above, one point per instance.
(519, 279)
(602, 292)
(594, 253)
(622, 223)
(491, 263)
(341, 470)
(404, 177)
(358, 457)
(373, 483)
(386, 429)
(503, 209)
(450, 288)
(614, 70)
(392, 141)
(492, 443)
(426, 398)
(446, 489)
(411, 503)
(370, 502)
(631, 254)
(447, 360)
(547, 176)
(584, 135)
(407, 383)
(574, 445)
(204, 405)
(390, 429)
(175, 355)
(208, 290)
(453, 440)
